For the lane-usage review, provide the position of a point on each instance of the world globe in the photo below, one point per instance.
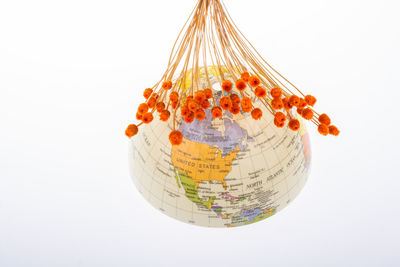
(230, 171)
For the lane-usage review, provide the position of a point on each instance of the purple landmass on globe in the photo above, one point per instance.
(250, 214)
(203, 132)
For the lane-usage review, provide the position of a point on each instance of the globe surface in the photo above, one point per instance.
(228, 172)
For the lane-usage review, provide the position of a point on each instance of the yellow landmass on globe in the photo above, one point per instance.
(202, 162)
(213, 70)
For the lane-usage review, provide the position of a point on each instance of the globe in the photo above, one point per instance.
(228, 172)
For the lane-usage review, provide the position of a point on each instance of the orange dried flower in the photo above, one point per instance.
(333, 130)
(294, 124)
(300, 111)
(294, 100)
(160, 106)
(235, 99)
(278, 123)
(216, 112)
(245, 76)
(226, 86)
(155, 95)
(147, 93)
(310, 100)
(167, 85)
(307, 114)
(143, 108)
(189, 117)
(241, 84)
(185, 111)
(174, 104)
(324, 119)
(205, 104)
(246, 104)
(200, 96)
(280, 117)
(323, 129)
(139, 116)
(254, 81)
(147, 117)
(193, 105)
(246, 109)
(200, 114)
(256, 113)
(174, 96)
(164, 115)
(277, 103)
(276, 92)
(260, 92)
(188, 99)
(286, 103)
(208, 92)
(152, 102)
(302, 103)
(175, 137)
(235, 109)
(132, 130)
(225, 102)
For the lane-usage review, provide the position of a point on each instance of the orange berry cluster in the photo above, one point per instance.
(236, 98)
(303, 106)
(193, 107)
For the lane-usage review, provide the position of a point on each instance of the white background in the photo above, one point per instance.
(71, 76)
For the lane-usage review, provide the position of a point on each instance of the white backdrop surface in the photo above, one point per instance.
(71, 76)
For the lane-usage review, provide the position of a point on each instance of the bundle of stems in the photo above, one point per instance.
(211, 38)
